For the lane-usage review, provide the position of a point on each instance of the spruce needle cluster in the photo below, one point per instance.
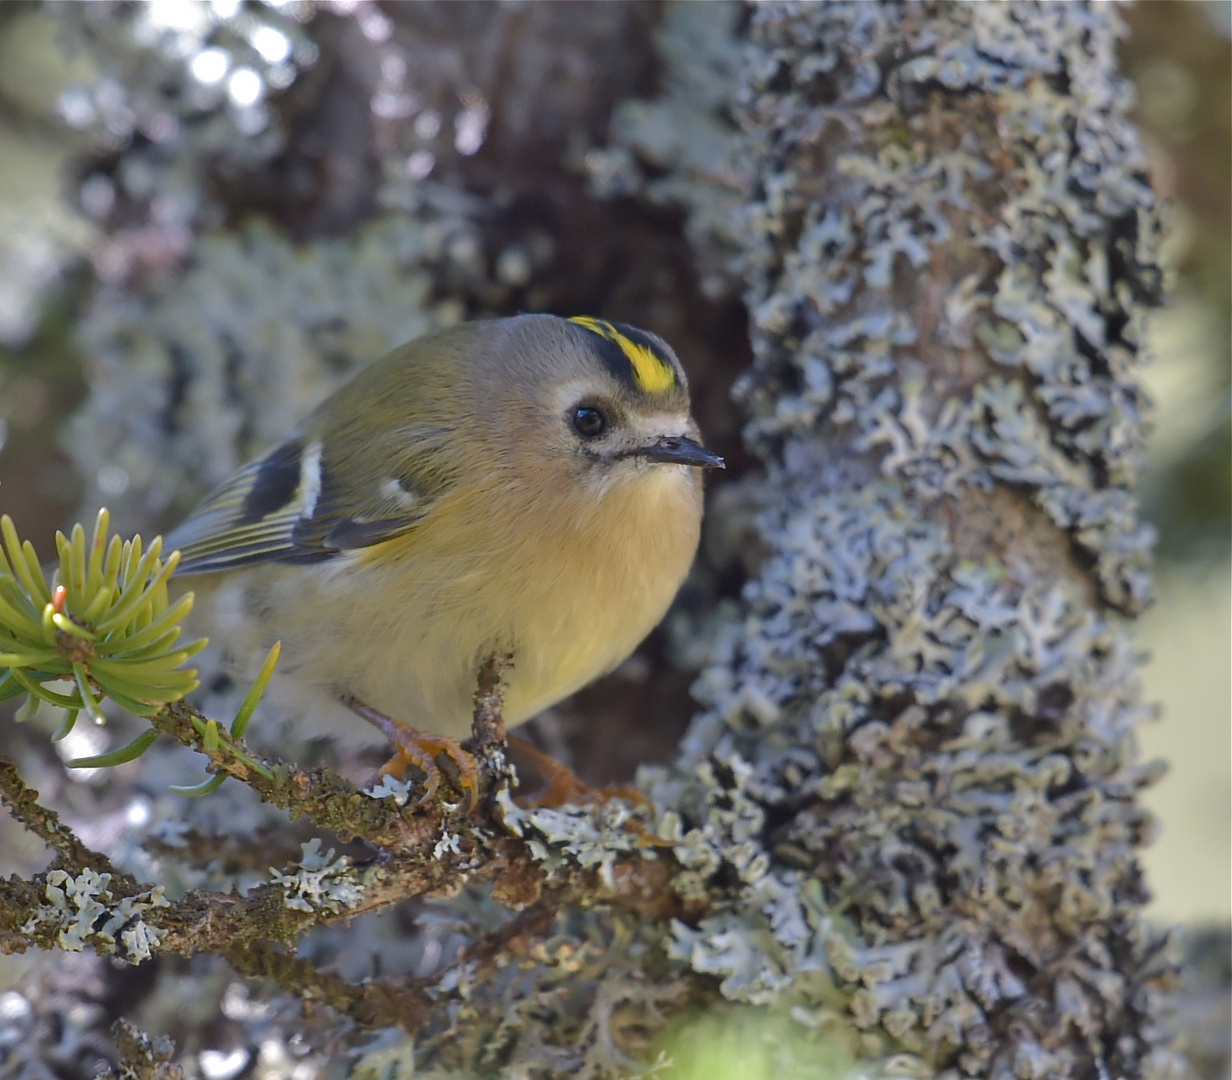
(105, 626)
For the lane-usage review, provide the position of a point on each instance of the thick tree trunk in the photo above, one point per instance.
(929, 702)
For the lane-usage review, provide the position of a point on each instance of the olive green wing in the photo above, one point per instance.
(297, 504)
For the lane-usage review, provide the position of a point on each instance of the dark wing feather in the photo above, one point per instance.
(296, 506)
(250, 519)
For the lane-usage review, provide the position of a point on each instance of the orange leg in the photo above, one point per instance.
(429, 754)
(562, 785)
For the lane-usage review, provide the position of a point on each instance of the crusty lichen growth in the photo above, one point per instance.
(83, 911)
(319, 881)
(916, 774)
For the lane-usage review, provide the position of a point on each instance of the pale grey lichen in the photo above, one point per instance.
(925, 711)
(320, 882)
(447, 844)
(1068, 237)
(87, 912)
(390, 787)
(586, 835)
(582, 1005)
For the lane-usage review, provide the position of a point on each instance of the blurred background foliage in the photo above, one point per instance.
(1178, 56)
(75, 227)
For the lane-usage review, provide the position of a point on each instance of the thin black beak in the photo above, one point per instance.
(679, 450)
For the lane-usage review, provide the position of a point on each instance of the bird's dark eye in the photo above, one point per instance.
(588, 421)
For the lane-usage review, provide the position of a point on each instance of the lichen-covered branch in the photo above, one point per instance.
(430, 851)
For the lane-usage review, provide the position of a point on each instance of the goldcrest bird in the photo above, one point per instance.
(529, 485)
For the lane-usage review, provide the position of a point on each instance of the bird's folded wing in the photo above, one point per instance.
(294, 506)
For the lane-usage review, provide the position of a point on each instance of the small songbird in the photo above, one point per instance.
(528, 486)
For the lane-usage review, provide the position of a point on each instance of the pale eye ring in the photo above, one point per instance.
(588, 421)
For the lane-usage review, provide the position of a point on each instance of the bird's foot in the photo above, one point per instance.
(431, 756)
(561, 785)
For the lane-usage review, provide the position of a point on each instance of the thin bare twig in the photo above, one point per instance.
(23, 804)
(488, 742)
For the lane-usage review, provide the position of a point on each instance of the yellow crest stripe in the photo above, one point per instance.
(651, 372)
